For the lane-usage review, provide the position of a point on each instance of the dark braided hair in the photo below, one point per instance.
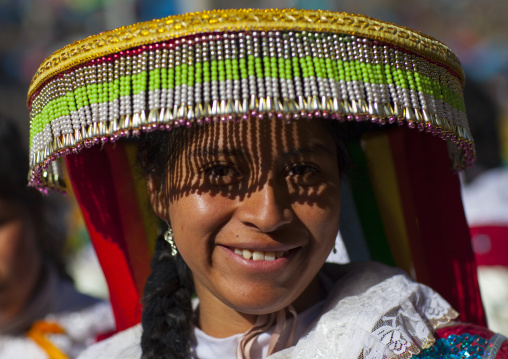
(167, 309)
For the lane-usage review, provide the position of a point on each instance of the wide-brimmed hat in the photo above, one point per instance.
(282, 65)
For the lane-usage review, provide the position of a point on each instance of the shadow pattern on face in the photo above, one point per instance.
(236, 159)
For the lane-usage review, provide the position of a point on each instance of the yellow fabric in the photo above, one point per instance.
(385, 185)
(172, 27)
(38, 333)
(150, 220)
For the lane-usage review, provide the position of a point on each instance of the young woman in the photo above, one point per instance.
(258, 133)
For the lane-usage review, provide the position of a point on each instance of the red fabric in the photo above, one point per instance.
(97, 196)
(420, 261)
(490, 244)
(503, 351)
(447, 262)
(461, 328)
(129, 206)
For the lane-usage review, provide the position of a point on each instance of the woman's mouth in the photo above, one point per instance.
(259, 255)
(259, 261)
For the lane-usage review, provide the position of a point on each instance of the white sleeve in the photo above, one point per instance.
(125, 345)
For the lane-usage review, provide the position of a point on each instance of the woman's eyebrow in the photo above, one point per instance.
(314, 148)
(215, 152)
(212, 151)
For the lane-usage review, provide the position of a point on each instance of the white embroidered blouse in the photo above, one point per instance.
(372, 311)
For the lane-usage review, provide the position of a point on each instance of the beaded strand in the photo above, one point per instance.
(456, 347)
(287, 74)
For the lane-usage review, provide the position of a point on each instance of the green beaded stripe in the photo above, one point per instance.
(158, 78)
(83, 96)
(231, 75)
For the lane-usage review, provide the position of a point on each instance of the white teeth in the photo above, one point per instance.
(269, 256)
(259, 255)
(246, 254)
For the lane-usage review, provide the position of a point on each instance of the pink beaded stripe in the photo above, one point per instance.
(231, 76)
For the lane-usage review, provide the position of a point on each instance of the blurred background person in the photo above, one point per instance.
(41, 313)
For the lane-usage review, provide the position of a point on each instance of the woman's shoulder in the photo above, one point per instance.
(125, 344)
(376, 311)
(372, 311)
(363, 275)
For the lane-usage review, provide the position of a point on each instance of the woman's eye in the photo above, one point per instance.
(302, 170)
(219, 174)
(302, 174)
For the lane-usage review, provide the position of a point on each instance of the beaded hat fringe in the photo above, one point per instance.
(232, 75)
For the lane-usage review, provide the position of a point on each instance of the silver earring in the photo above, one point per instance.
(168, 237)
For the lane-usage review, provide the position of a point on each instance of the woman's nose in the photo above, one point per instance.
(267, 208)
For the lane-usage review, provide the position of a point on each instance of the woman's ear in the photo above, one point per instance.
(158, 198)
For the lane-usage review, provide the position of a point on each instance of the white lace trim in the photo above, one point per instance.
(376, 313)
(393, 319)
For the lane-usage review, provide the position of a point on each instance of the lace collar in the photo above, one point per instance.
(395, 318)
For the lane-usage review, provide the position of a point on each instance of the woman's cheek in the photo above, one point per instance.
(199, 214)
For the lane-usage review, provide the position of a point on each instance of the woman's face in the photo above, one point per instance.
(20, 261)
(254, 208)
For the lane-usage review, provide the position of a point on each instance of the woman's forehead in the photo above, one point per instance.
(259, 135)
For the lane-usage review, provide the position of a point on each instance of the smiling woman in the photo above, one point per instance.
(253, 220)
(223, 158)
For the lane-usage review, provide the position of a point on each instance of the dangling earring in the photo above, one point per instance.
(334, 250)
(168, 237)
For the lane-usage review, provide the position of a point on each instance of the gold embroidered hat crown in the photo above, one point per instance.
(227, 65)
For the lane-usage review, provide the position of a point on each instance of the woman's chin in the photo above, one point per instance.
(258, 301)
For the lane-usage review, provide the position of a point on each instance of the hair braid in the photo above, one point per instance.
(167, 311)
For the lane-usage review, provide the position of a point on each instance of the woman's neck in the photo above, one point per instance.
(220, 321)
